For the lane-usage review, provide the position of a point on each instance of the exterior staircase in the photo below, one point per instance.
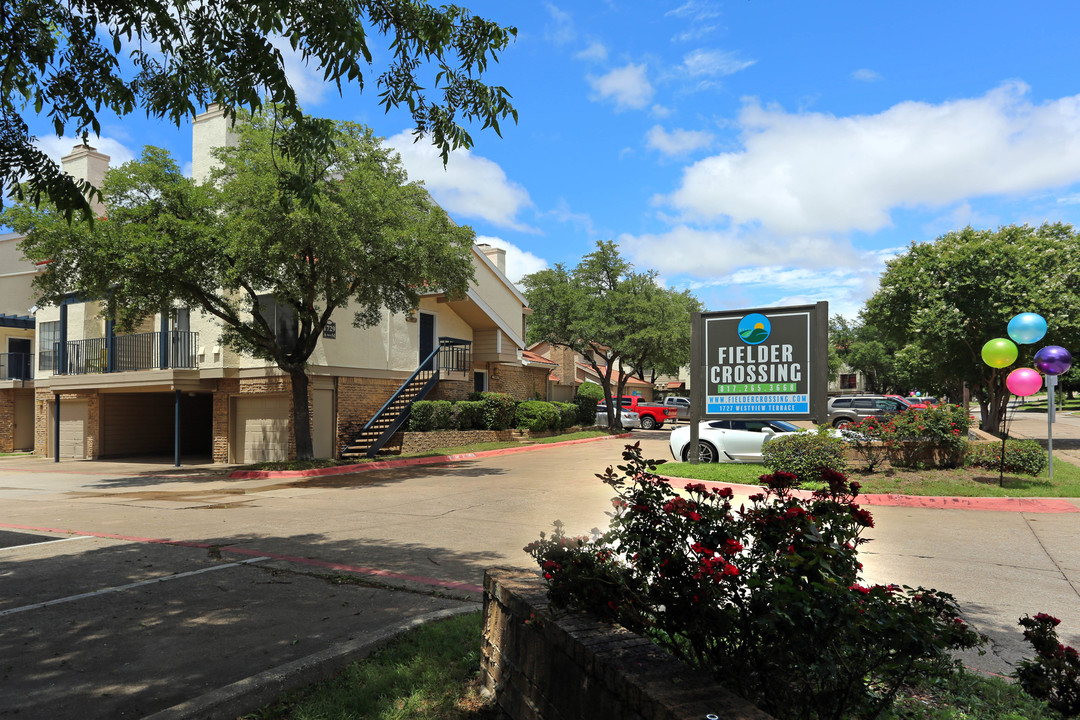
(451, 355)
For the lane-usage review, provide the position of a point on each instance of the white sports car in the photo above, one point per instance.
(729, 440)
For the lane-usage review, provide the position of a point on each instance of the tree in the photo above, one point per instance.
(611, 315)
(863, 348)
(231, 244)
(940, 302)
(74, 59)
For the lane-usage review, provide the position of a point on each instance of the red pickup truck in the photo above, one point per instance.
(653, 415)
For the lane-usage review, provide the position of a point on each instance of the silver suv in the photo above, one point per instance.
(853, 408)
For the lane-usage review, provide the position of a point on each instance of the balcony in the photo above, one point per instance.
(16, 366)
(124, 353)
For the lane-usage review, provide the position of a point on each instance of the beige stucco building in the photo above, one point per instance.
(174, 389)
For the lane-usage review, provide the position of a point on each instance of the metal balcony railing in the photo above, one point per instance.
(455, 355)
(141, 351)
(16, 366)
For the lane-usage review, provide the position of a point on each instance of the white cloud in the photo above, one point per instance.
(712, 63)
(469, 185)
(519, 263)
(867, 75)
(595, 52)
(627, 86)
(678, 141)
(306, 80)
(561, 29)
(695, 10)
(57, 147)
(812, 173)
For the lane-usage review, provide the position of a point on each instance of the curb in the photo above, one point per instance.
(251, 693)
(989, 504)
(407, 462)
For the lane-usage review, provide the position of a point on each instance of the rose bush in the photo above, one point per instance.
(767, 597)
(1054, 674)
(935, 436)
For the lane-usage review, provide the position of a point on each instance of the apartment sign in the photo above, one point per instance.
(765, 363)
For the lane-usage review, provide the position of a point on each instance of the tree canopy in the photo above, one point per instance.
(74, 60)
(612, 315)
(940, 302)
(229, 245)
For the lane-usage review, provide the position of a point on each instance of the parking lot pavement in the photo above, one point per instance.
(158, 589)
(103, 628)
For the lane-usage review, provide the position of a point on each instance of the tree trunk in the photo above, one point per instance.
(301, 414)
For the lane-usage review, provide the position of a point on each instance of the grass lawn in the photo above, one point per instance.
(430, 673)
(436, 452)
(962, 482)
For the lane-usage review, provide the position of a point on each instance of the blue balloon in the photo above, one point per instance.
(1027, 328)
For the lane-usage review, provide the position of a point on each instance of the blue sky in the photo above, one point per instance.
(757, 152)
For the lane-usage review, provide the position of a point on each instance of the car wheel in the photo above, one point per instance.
(706, 452)
(647, 423)
(841, 422)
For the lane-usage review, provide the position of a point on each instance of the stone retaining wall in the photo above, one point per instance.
(568, 666)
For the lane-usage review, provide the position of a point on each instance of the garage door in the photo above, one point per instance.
(260, 429)
(74, 420)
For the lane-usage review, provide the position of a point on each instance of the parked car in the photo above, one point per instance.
(849, 409)
(681, 405)
(652, 415)
(728, 440)
(630, 419)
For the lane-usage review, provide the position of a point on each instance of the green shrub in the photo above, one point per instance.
(867, 439)
(536, 416)
(1054, 674)
(568, 413)
(468, 415)
(1021, 456)
(441, 414)
(420, 417)
(934, 437)
(805, 455)
(498, 410)
(764, 596)
(591, 390)
(586, 410)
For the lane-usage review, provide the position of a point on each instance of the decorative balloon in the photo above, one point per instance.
(1027, 328)
(1023, 382)
(999, 353)
(1053, 360)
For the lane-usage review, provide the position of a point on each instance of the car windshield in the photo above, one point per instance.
(784, 426)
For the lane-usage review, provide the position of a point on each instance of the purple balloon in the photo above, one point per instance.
(1053, 360)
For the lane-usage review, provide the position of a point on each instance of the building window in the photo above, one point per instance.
(282, 321)
(849, 381)
(49, 345)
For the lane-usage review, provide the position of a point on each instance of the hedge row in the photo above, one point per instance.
(496, 411)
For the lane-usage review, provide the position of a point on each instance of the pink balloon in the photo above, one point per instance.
(1024, 381)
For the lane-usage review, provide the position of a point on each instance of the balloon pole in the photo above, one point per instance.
(1051, 381)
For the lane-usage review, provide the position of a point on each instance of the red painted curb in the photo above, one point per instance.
(990, 504)
(406, 462)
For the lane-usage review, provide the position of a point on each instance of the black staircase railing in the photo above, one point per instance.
(141, 351)
(452, 355)
(16, 366)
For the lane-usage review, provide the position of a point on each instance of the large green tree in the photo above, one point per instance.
(614, 316)
(862, 347)
(375, 242)
(940, 301)
(77, 61)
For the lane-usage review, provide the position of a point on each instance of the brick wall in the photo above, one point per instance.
(414, 442)
(568, 666)
(523, 383)
(7, 420)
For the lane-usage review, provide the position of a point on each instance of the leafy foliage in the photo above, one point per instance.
(804, 455)
(1054, 674)
(498, 410)
(767, 597)
(934, 436)
(227, 246)
(613, 316)
(536, 415)
(1021, 456)
(939, 302)
(72, 59)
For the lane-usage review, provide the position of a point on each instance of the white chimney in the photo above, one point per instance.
(496, 255)
(86, 163)
(209, 130)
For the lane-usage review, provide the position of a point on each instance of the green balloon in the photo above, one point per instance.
(999, 352)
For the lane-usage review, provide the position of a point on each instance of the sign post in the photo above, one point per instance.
(759, 363)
